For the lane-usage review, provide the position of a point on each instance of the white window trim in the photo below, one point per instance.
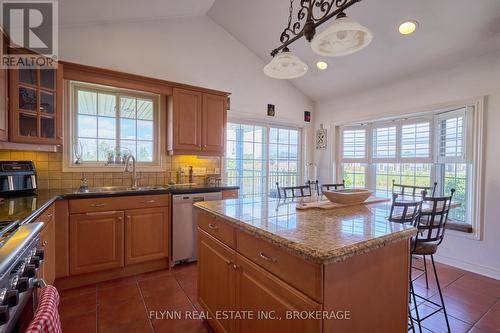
(367, 144)
(398, 145)
(474, 151)
(70, 132)
(268, 125)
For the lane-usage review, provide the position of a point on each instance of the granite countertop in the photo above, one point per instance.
(321, 236)
(28, 207)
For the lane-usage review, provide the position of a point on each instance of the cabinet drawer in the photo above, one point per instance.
(217, 228)
(230, 194)
(117, 203)
(301, 274)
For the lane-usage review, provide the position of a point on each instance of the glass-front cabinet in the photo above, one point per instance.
(36, 105)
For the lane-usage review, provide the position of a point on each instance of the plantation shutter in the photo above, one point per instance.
(354, 145)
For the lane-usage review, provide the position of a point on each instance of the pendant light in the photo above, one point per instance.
(344, 36)
(285, 65)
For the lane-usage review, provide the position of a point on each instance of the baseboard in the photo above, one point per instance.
(491, 272)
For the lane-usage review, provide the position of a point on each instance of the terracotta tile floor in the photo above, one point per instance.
(473, 303)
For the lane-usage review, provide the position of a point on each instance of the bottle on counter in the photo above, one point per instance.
(190, 174)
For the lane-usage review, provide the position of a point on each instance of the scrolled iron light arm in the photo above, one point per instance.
(312, 13)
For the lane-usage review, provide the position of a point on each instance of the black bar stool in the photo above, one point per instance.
(404, 211)
(431, 225)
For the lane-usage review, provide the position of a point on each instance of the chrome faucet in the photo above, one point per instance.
(135, 178)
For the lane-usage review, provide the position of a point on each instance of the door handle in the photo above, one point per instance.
(263, 256)
(98, 205)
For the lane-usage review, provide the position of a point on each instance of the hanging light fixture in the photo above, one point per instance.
(344, 36)
(285, 65)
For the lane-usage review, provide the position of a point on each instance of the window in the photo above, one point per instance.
(436, 147)
(258, 156)
(245, 158)
(107, 123)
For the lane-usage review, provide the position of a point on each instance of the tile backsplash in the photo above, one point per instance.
(50, 175)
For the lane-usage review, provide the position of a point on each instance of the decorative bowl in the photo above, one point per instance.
(350, 196)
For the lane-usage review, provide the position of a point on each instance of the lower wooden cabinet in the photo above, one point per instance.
(228, 282)
(47, 270)
(216, 283)
(96, 241)
(146, 234)
(260, 292)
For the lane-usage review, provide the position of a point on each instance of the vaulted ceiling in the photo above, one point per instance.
(450, 31)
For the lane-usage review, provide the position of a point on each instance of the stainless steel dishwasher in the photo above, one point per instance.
(184, 237)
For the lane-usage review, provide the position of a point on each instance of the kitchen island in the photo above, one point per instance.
(266, 267)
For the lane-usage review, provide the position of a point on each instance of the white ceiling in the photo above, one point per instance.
(450, 31)
(74, 12)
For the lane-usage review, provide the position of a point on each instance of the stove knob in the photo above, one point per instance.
(11, 298)
(29, 271)
(22, 284)
(35, 260)
(4, 314)
(40, 254)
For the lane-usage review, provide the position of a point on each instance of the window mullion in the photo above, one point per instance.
(117, 123)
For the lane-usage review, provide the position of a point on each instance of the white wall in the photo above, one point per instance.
(192, 50)
(476, 77)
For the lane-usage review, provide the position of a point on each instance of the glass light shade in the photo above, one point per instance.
(408, 27)
(285, 65)
(344, 36)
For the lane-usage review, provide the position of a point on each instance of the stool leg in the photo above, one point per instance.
(425, 272)
(440, 293)
(416, 307)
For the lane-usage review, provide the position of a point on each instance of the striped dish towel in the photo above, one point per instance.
(46, 319)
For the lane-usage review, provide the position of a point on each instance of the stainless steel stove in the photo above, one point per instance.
(20, 253)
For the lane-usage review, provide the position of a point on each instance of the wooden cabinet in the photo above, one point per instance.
(186, 120)
(214, 124)
(47, 269)
(36, 102)
(96, 241)
(230, 194)
(146, 234)
(228, 282)
(216, 283)
(4, 94)
(261, 292)
(197, 123)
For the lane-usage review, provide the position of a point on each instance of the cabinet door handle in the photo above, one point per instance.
(112, 212)
(98, 205)
(45, 243)
(263, 256)
(213, 226)
(49, 215)
(149, 201)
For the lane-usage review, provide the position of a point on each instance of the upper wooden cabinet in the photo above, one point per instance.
(36, 101)
(214, 124)
(186, 120)
(197, 123)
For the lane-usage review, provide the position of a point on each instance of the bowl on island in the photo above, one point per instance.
(349, 196)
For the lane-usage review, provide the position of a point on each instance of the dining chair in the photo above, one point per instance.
(288, 192)
(431, 226)
(314, 185)
(328, 187)
(404, 211)
(411, 190)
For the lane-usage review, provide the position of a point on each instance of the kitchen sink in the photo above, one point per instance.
(110, 189)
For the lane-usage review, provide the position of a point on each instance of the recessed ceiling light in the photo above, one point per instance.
(322, 65)
(408, 27)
